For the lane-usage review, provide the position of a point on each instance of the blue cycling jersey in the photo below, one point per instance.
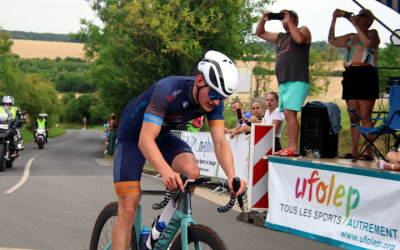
(168, 103)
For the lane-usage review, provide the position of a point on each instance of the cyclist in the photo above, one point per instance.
(144, 133)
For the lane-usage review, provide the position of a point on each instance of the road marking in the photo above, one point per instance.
(23, 179)
(3, 248)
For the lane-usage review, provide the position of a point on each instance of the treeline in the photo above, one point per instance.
(31, 83)
(40, 36)
(68, 75)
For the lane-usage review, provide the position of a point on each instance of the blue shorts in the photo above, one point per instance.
(129, 160)
(292, 95)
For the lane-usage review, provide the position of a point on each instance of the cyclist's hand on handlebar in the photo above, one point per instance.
(172, 181)
(243, 185)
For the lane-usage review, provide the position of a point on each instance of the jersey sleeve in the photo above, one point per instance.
(158, 105)
(215, 117)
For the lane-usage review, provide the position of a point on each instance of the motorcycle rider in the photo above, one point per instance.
(13, 113)
(40, 122)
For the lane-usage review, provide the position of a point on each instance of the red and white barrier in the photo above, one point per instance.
(262, 143)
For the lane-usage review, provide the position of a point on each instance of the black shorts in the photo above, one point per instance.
(360, 83)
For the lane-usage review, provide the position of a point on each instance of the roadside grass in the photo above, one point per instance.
(56, 131)
(27, 134)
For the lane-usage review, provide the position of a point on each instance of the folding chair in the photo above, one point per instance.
(391, 125)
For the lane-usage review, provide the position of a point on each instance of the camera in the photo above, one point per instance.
(239, 113)
(345, 13)
(275, 16)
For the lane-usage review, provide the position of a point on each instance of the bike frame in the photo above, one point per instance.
(181, 218)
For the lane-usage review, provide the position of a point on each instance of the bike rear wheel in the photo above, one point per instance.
(102, 231)
(203, 235)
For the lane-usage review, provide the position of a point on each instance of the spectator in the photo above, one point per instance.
(84, 123)
(245, 116)
(107, 131)
(360, 78)
(274, 116)
(393, 164)
(292, 62)
(257, 111)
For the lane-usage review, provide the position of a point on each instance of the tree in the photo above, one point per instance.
(144, 41)
(31, 92)
(263, 71)
(389, 57)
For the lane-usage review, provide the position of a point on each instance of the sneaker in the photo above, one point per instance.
(106, 151)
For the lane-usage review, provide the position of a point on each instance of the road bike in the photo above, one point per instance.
(191, 235)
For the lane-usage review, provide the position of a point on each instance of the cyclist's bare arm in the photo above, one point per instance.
(225, 157)
(151, 152)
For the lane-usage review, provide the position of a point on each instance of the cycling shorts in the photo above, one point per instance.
(129, 160)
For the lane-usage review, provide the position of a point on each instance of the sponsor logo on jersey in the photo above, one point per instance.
(173, 95)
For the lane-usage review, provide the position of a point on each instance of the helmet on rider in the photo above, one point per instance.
(40, 116)
(44, 115)
(7, 100)
(219, 73)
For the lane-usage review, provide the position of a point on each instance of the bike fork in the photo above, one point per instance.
(185, 222)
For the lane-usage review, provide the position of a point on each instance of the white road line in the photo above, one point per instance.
(24, 177)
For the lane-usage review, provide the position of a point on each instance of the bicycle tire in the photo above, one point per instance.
(207, 237)
(102, 230)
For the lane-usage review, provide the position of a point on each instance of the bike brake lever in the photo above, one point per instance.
(236, 187)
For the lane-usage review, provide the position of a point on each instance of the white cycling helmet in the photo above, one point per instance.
(7, 100)
(219, 72)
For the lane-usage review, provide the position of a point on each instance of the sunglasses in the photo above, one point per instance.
(361, 15)
(214, 95)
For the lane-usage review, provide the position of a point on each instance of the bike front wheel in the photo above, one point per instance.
(102, 231)
(200, 237)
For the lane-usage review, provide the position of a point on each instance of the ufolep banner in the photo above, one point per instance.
(346, 207)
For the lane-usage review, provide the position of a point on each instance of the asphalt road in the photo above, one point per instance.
(50, 200)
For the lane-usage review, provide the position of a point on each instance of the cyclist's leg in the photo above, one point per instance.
(181, 158)
(178, 155)
(128, 166)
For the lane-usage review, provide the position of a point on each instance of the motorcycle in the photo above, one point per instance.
(9, 149)
(40, 137)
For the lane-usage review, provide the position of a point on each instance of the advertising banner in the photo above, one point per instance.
(240, 146)
(203, 148)
(348, 207)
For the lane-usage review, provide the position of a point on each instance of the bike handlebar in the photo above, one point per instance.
(207, 181)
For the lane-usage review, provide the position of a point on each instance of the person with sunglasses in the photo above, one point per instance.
(360, 78)
(144, 134)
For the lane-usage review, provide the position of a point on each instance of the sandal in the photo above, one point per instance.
(366, 158)
(286, 153)
(347, 156)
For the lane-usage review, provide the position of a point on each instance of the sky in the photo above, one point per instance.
(63, 16)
